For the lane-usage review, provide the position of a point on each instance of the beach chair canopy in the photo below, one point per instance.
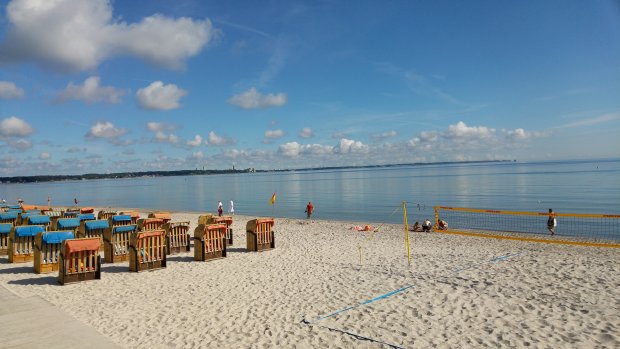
(96, 224)
(121, 218)
(57, 237)
(28, 230)
(67, 223)
(9, 215)
(5, 228)
(86, 216)
(79, 245)
(124, 228)
(38, 219)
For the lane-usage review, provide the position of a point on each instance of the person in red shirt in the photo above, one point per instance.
(309, 209)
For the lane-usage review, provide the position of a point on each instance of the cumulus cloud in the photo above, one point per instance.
(44, 156)
(306, 132)
(290, 149)
(461, 132)
(8, 90)
(159, 126)
(162, 137)
(384, 135)
(216, 140)
(161, 132)
(520, 134)
(252, 99)
(14, 127)
(105, 130)
(90, 92)
(76, 35)
(197, 141)
(274, 134)
(158, 96)
(350, 146)
(294, 149)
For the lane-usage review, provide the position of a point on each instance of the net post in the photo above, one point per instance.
(436, 208)
(406, 226)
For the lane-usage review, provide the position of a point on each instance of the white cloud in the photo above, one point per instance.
(159, 126)
(274, 134)
(77, 35)
(294, 149)
(350, 146)
(14, 127)
(216, 140)
(290, 149)
(21, 144)
(460, 131)
(91, 92)
(197, 141)
(8, 90)
(158, 96)
(306, 132)
(160, 130)
(105, 130)
(44, 156)
(162, 137)
(252, 99)
(520, 134)
(384, 135)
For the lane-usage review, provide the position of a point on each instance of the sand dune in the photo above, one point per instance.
(465, 292)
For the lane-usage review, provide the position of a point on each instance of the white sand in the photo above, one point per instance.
(537, 296)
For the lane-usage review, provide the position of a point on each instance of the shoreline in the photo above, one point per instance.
(466, 292)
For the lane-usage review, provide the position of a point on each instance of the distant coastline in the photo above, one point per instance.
(122, 175)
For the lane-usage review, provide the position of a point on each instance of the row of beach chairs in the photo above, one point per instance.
(71, 241)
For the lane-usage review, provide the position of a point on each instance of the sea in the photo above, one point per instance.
(360, 195)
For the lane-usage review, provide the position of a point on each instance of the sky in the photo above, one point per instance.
(115, 86)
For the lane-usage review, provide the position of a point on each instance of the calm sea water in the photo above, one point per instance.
(358, 195)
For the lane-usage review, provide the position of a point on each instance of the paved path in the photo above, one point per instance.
(33, 322)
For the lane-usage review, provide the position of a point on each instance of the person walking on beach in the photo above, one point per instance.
(309, 209)
(75, 200)
(49, 201)
(552, 222)
(231, 209)
(220, 208)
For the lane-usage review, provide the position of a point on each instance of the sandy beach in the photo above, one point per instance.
(459, 292)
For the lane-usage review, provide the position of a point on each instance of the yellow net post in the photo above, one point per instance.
(407, 244)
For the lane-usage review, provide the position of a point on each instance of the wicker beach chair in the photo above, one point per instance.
(87, 210)
(86, 217)
(21, 242)
(9, 217)
(116, 243)
(148, 224)
(119, 220)
(105, 214)
(64, 224)
(135, 215)
(203, 219)
(79, 261)
(39, 220)
(209, 242)
(147, 250)
(5, 229)
(165, 216)
(226, 220)
(93, 229)
(260, 235)
(47, 248)
(177, 237)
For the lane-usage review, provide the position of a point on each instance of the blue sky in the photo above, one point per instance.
(113, 86)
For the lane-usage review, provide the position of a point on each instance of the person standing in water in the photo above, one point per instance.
(231, 209)
(309, 209)
(552, 222)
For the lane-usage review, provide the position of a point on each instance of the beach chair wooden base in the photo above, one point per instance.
(177, 249)
(4, 251)
(137, 266)
(201, 255)
(4, 244)
(110, 257)
(21, 258)
(45, 268)
(255, 246)
(64, 278)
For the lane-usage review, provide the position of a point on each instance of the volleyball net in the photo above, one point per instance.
(574, 226)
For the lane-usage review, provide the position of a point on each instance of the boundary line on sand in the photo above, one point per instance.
(560, 242)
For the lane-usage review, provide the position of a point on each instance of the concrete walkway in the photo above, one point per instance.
(33, 322)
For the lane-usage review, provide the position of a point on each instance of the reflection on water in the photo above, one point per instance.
(360, 195)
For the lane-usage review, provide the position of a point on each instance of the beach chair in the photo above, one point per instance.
(30, 208)
(260, 235)
(165, 216)
(177, 237)
(209, 242)
(119, 220)
(86, 217)
(79, 261)
(5, 229)
(54, 214)
(93, 229)
(226, 220)
(87, 210)
(47, 250)
(70, 213)
(204, 218)
(148, 224)
(105, 214)
(116, 243)
(21, 242)
(135, 215)
(9, 217)
(147, 250)
(39, 219)
(72, 224)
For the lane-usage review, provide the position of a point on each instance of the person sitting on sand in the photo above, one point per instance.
(443, 225)
(426, 226)
(416, 227)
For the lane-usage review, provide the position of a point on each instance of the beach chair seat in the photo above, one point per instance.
(260, 235)
(105, 214)
(79, 261)
(5, 229)
(72, 224)
(9, 217)
(116, 243)
(93, 229)
(165, 216)
(39, 219)
(209, 242)
(147, 224)
(21, 242)
(119, 220)
(47, 248)
(147, 250)
(226, 220)
(177, 237)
